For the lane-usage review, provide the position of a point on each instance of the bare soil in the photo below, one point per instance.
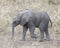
(7, 42)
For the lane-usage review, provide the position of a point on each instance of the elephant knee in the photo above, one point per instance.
(41, 28)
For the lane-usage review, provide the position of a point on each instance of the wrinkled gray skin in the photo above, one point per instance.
(31, 19)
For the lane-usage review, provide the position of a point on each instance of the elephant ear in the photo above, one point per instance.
(25, 18)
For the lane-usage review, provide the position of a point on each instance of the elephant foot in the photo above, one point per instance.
(41, 40)
(33, 37)
(47, 39)
(22, 39)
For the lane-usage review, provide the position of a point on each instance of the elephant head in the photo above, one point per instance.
(21, 19)
(16, 21)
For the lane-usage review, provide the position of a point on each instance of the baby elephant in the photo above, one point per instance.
(31, 19)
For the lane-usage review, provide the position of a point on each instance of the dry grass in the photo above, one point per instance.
(9, 8)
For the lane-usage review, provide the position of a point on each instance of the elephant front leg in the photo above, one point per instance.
(25, 28)
(32, 28)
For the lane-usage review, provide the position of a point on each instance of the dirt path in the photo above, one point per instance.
(6, 42)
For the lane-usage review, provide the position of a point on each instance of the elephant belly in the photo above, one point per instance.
(37, 23)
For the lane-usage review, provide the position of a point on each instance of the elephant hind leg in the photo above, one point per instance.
(47, 34)
(41, 28)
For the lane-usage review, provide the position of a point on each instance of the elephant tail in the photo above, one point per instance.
(50, 22)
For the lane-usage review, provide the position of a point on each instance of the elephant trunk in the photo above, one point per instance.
(12, 30)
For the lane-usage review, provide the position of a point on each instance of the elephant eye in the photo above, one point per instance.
(14, 22)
